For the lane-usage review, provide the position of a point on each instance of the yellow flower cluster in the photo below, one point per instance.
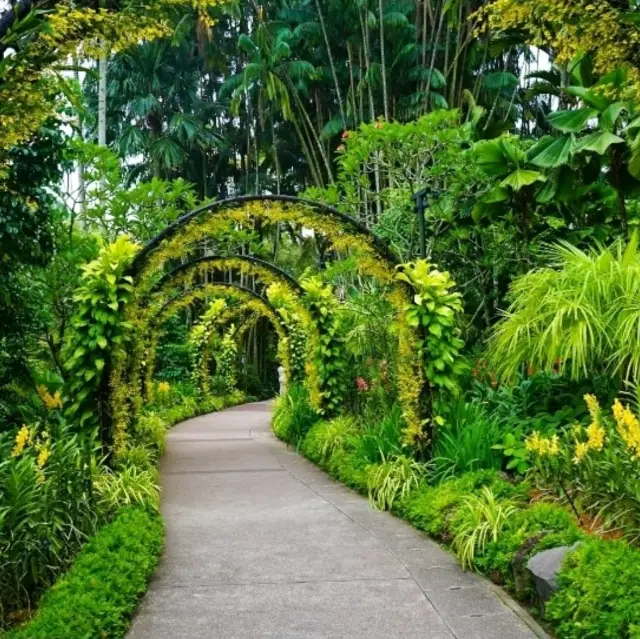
(595, 431)
(23, 438)
(43, 457)
(570, 28)
(628, 427)
(542, 446)
(581, 450)
(52, 402)
(163, 387)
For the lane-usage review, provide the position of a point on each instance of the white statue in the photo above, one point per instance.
(283, 380)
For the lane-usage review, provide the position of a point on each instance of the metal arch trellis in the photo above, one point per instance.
(231, 288)
(221, 259)
(350, 224)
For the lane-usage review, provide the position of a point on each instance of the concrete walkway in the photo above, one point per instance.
(260, 543)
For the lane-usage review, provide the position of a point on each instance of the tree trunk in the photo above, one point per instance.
(102, 96)
(331, 64)
(383, 61)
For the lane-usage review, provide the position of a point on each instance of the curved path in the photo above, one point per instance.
(260, 543)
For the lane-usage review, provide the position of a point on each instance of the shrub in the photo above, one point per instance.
(46, 510)
(596, 466)
(394, 478)
(151, 431)
(480, 519)
(579, 315)
(431, 508)
(382, 438)
(527, 531)
(130, 486)
(598, 593)
(98, 595)
(466, 442)
(136, 455)
(327, 437)
(293, 415)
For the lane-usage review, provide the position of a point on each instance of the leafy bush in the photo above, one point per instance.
(136, 455)
(479, 520)
(578, 316)
(393, 479)
(527, 531)
(128, 487)
(466, 442)
(293, 415)
(151, 431)
(383, 437)
(595, 467)
(99, 594)
(598, 593)
(432, 507)
(46, 510)
(327, 437)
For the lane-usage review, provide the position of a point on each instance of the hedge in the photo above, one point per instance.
(96, 598)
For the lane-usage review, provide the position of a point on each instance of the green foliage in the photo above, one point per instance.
(432, 507)
(466, 441)
(528, 531)
(46, 509)
(576, 315)
(381, 436)
(293, 415)
(598, 593)
(393, 479)
(98, 595)
(227, 361)
(151, 431)
(595, 467)
(478, 521)
(434, 312)
(98, 327)
(330, 363)
(285, 305)
(327, 437)
(129, 486)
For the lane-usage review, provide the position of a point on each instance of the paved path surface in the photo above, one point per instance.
(260, 543)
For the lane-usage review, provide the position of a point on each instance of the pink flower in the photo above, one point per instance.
(362, 384)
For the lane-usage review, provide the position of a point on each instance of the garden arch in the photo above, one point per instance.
(155, 272)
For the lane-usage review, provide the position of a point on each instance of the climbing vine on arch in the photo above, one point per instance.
(309, 313)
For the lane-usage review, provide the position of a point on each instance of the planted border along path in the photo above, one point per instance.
(260, 543)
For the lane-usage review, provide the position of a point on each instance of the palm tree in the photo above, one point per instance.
(272, 82)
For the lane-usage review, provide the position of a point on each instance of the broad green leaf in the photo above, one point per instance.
(598, 142)
(611, 115)
(497, 194)
(521, 178)
(596, 100)
(490, 158)
(571, 121)
(634, 165)
(551, 152)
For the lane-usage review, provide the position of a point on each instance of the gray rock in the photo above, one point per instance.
(545, 567)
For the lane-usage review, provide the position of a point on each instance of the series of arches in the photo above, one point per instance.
(179, 267)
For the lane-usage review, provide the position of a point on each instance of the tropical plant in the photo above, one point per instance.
(576, 316)
(130, 486)
(47, 509)
(466, 442)
(98, 326)
(394, 478)
(330, 361)
(594, 467)
(293, 415)
(479, 521)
